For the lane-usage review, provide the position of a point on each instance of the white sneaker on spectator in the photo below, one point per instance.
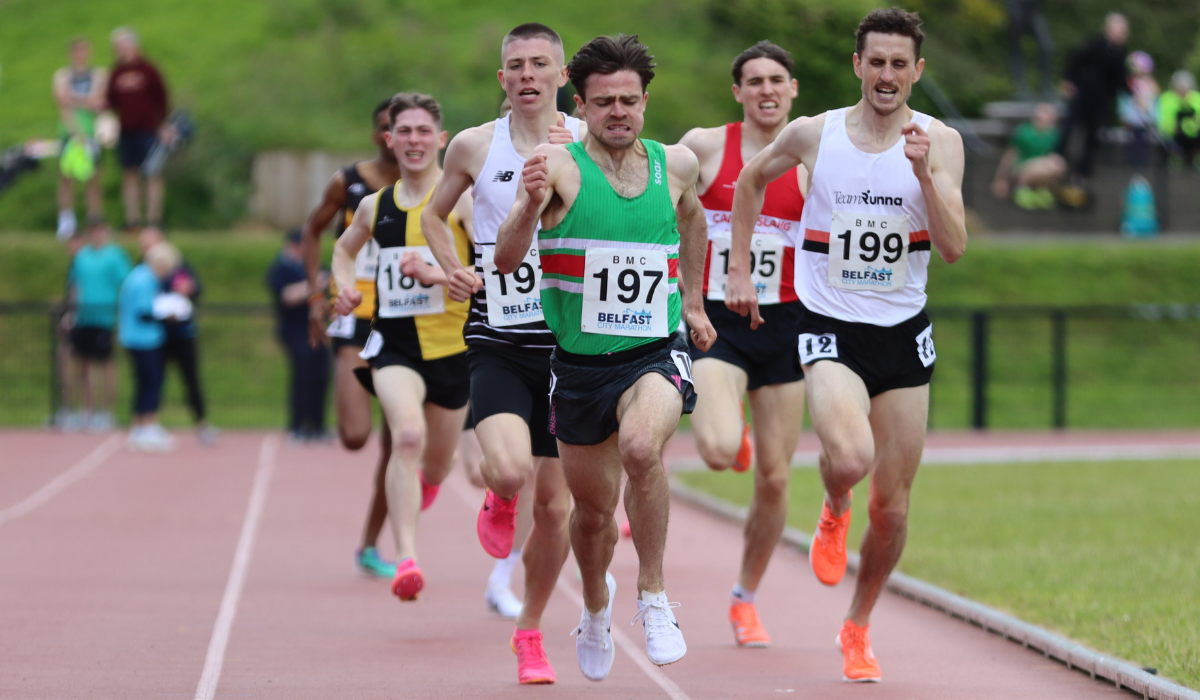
(151, 438)
(207, 435)
(500, 600)
(68, 420)
(594, 644)
(100, 422)
(664, 639)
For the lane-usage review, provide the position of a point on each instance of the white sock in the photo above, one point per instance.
(66, 224)
(647, 597)
(741, 595)
(501, 575)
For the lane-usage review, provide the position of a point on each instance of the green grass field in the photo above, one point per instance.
(1103, 553)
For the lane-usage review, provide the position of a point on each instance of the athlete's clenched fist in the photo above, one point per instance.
(463, 284)
(534, 177)
(347, 301)
(916, 149)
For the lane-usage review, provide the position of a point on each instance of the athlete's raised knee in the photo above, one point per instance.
(717, 451)
(849, 463)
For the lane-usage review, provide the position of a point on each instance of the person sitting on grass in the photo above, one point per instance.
(1030, 163)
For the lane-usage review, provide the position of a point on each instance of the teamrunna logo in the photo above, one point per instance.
(866, 198)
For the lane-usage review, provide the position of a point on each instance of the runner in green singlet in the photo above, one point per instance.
(623, 233)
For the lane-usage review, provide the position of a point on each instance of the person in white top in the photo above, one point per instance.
(885, 186)
(508, 342)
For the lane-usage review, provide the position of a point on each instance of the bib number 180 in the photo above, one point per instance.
(625, 292)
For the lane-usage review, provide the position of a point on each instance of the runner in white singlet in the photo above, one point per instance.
(508, 343)
(885, 187)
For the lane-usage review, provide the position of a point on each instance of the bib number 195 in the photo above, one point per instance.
(625, 292)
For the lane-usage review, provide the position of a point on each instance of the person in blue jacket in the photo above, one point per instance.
(140, 331)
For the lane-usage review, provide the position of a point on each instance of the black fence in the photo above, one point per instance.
(1005, 367)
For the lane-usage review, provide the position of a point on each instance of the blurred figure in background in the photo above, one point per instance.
(79, 90)
(1095, 74)
(1030, 165)
(1138, 109)
(181, 333)
(95, 281)
(1179, 117)
(141, 333)
(138, 94)
(1025, 17)
(68, 416)
(310, 365)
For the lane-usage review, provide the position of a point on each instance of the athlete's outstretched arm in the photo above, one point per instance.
(456, 179)
(693, 246)
(516, 233)
(937, 160)
(346, 249)
(785, 153)
(310, 250)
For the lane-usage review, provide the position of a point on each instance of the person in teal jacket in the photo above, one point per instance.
(141, 333)
(1179, 117)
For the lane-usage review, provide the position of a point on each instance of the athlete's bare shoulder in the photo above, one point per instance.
(682, 162)
(707, 143)
(468, 150)
(946, 148)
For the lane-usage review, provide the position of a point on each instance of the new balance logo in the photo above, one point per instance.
(503, 176)
(385, 219)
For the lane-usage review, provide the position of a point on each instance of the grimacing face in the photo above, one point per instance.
(615, 108)
(888, 68)
(766, 92)
(416, 138)
(532, 72)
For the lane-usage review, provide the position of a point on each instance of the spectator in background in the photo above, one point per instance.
(1025, 17)
(1095, 74)
(79, 90)
(138, 94)
(94, 280)
(141, 333)
(1179, 117)
(310, 365)
(69, 417)
(180, 343)
(1030, 165)
(1138, 109)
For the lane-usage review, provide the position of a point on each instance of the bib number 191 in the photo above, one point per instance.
(625, 293)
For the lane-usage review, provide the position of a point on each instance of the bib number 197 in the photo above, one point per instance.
(625, 293)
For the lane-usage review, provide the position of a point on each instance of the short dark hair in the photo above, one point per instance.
(763, 49)
(404, 101)
(891, 20)
(380, 108)
(531, 30)
(607, 55)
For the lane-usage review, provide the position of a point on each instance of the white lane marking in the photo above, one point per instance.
(215, 659)
(57, 485)
(634, 652)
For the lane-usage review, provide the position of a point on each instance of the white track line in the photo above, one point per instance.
(636, 653)
(56, 486)
(215, 659)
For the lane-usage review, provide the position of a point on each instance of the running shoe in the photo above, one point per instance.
(664, 639)
(409, 581)
(497, 524)
(745, 455)
(859, 664)
(428, 493)
(500, 600)
(594, 643)
(532, 665)
(747, 629)
(370, 563)
(827, 554)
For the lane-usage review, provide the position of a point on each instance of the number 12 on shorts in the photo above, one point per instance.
(816, 347)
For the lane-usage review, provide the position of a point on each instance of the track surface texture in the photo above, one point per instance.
(112, 586)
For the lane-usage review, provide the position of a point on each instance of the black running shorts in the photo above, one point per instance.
(92, 343)
(886, 358)
(514, 381)
(585, 389)
(767, 355)
(447, 383)
(362, 330)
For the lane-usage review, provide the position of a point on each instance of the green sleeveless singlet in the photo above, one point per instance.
(624, 284)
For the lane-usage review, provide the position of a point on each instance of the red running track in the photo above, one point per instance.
(111, 589)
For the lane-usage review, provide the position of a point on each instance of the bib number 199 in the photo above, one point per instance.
(625, 293)
(868, 252)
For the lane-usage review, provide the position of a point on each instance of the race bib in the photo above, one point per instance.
(342, 327)
(401, 295)
(366, 261)
(516, 297)
(625, 292)
(817, 347)
(925, 349)
(868, 251)
(766, 267)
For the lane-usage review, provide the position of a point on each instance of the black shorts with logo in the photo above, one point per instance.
(886, 358)
(447, 383)
(513, 380)
(585, 389)
(362, 331)
(92, 343)
(767, 355)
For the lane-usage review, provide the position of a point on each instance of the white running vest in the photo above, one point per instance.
(494, 192)
(870, 194)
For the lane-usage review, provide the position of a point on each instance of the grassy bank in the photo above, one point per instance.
(1099, 552)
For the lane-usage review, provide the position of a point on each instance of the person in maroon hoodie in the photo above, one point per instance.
(137, 93)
